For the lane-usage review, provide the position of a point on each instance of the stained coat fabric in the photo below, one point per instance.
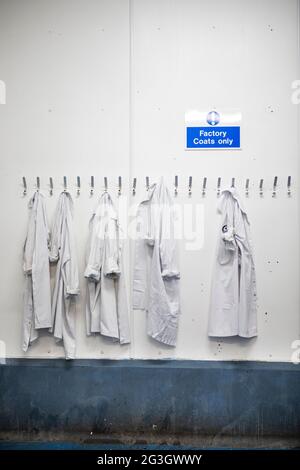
(156, 271)
(37, 293)
(233, 295)
(106, 300)
(66, 289)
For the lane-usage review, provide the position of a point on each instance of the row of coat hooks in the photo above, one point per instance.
(147, 181)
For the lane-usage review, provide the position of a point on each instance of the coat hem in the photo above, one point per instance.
(228, 335)
(168, 337)
(37, 327)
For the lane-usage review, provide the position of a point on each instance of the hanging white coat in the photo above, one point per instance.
(66, 287)
(156, 272)
(233, 296)
(37, 294)
(106, 301)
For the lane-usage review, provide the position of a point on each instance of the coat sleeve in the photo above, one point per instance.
(56, 232)
(168, 244)
(140, 272)
(30, 238)
(111, 264)
(122, 306)
(71, 267)
(41, 270)
(227, 244)
(94, 258)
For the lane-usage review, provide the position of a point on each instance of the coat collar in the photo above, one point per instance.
(231, 192)
(157, 190)
(105, 206)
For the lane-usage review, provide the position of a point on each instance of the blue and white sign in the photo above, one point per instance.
(213, 129)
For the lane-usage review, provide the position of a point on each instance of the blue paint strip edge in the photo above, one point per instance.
(159, 363)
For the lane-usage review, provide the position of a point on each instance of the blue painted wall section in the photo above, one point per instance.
(214, 398)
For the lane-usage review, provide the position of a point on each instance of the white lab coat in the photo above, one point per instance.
(233, 296)
(37, 293)
(66, 288)
(106, 300)
(156, 272)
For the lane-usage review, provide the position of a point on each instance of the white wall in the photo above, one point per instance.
(100, 88)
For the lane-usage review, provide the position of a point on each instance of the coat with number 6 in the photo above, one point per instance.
(233, 295)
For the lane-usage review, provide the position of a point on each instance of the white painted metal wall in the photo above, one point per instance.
(100, 88)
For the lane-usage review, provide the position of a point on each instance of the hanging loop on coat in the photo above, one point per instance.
(232, 182)
(24, 186)
(105, 184)
(65, 183)
(38, 184)
(275, 186)
(147, 183)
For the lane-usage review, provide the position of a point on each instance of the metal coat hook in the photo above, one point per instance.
(51, 186)
(65, 183)
(78, 185)
(247, 187)
(134, 186)
(92, 184)
(204, 186)
(190, 185)
(275, 186)
(24, 186)
(176, 185)
(105, 184)
(289, 183)
(120, 186)
(232, 182)
(261, 187)
(38, 183)
(147, 183)
(218, 186)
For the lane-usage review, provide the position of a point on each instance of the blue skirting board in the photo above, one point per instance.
(140, 396)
